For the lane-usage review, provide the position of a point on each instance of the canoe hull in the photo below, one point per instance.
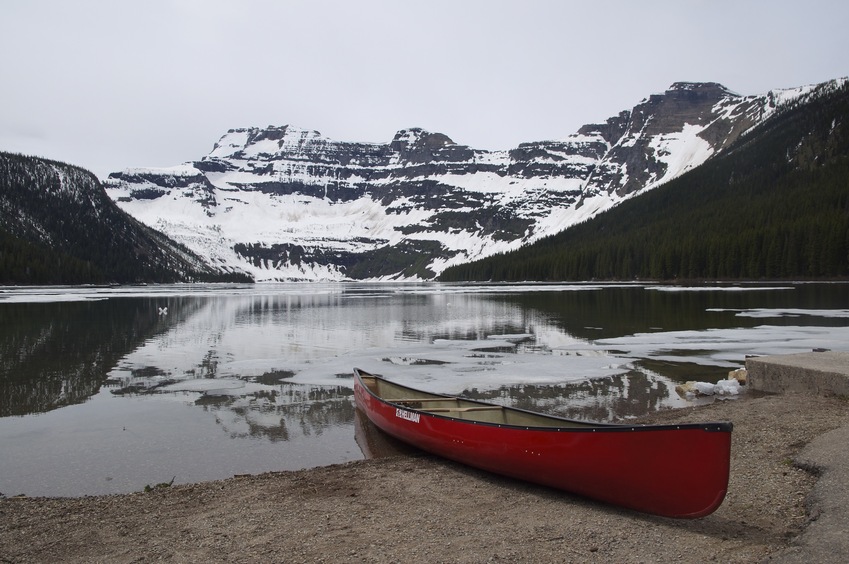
(675, 471)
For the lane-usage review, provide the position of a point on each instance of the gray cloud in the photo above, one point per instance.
(109, 85)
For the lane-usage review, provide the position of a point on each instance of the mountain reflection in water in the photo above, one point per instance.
(56, 354)
(620, 397)
(272, 409)
(278, 414)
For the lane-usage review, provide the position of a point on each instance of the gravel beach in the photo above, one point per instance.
(418, 508)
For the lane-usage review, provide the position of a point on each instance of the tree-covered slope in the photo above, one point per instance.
(775, 205)
(58, 226)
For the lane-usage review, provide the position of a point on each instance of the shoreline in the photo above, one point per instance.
(421, 508)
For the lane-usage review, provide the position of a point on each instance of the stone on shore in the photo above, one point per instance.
(817, 373)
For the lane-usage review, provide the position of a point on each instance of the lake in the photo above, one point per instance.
(108, 390)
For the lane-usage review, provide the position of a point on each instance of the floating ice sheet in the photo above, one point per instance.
(786, 312)
(212, 386)
(717, 288)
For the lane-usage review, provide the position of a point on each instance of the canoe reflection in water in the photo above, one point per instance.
(374, 443)
(668, 470)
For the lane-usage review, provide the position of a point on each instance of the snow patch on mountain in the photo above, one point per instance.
(680, 152)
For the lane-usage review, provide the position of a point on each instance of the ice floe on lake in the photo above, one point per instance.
(211, 386)
(766, 313)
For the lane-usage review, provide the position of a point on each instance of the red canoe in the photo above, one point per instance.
(668, 470)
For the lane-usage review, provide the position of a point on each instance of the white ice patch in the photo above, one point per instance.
(211, 386)
(727, 347)
(42, 296)
(721, 388)
(717, 289)
(766, 313)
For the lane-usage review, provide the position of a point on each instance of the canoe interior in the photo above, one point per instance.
(459, 408)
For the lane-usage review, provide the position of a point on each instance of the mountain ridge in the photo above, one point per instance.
(283, 203)
(774, 206)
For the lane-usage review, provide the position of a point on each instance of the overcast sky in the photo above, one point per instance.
(114, 84)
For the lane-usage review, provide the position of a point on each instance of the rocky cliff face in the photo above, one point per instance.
(282, 203)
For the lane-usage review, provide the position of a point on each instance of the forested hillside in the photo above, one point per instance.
(58, 226)
(773, 206)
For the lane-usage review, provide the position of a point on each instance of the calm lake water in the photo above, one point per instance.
(107, 390)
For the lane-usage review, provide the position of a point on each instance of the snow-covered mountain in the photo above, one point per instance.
(282, 203)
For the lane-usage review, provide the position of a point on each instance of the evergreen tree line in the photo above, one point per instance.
(58, 226)
(773, 206)
(24, 263)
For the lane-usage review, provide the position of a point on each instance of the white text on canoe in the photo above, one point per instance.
(408, 415)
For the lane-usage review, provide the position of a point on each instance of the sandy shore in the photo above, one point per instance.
(422, 509)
